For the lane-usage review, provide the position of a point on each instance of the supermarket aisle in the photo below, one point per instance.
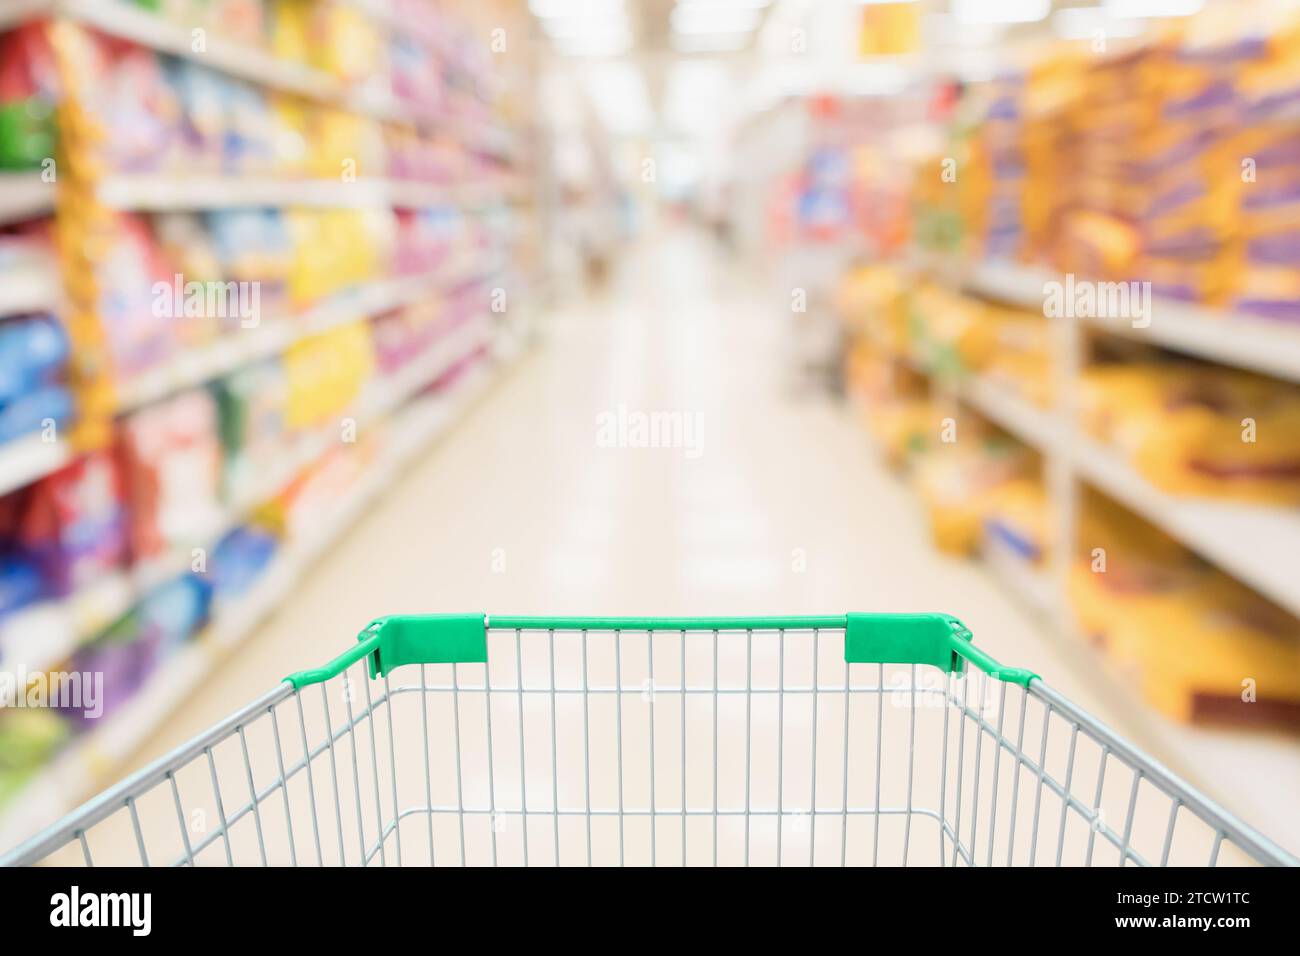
(769, 504)
(774, 506)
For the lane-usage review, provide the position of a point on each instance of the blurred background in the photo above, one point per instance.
(316, 310)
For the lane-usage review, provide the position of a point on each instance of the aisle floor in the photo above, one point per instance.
(777, 505)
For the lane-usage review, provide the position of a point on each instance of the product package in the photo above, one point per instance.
(254, 435)
(74, 523)
(172, 464)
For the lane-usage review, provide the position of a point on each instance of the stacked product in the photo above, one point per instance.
(33, 395)
(1199, 645)
(1172, 163)
(1192, 429)
(233, 354)
(28, 89)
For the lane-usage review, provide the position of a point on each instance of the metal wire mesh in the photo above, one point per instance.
(737, 747)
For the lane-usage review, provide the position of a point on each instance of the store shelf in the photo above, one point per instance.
(1002, 406)
(167, 193)
(24, 196)
(27, 459)
(1030, 584)
(47, 633)
(81, 768)
(17, 12)
(41, 636)
(125, 21)
(1230, 339)
(24, 290)
(272, 337)
(1256, 544)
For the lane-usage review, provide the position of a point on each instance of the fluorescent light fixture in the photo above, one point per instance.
(554, 9)
(1083, 23)
(574, 28)
(618, 95)
(710, 42)
(594, 46)
(714, 18)
(696, 95)
(1153, 8)
(729, 4)
(1001, 11)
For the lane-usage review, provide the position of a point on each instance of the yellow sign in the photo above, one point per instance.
(889, 29)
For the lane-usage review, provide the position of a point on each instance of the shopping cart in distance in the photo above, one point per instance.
(855, 739)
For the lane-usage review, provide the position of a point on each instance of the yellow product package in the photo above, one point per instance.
(903, 429)
(325, 374)
(290, 29)
(951, 332)
(347, 42)
(1219, 452)
(1221, 654)
(1018, 516)
(958, 489)
(1116, 402)
(1122, 565)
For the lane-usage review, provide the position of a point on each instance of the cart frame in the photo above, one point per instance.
(936, 643)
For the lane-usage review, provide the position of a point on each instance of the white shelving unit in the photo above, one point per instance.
(24, 290)
(272, 337)
(81, 768)
(27, 459)
(41, 636)
(1257, 544)
(168, 193)
(124, 21)
(1243, 341)
(1254, 543)
(24, 196)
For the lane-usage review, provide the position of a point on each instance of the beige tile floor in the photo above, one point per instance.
(520, 510)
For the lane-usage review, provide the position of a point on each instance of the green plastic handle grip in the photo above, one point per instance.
(938, 640)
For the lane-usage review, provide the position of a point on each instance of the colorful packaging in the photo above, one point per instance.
(28, 92)
(172, 459)
(326, 373)
(238, 561)
(253, 430)
(74, 522)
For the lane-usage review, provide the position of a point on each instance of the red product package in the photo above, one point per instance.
(27, 66)
(171, 454)
(74, 522)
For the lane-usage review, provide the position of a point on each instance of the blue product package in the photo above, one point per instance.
(31, 350)
(21, 583)
(238, 560)
(28, 413)
(177, 610)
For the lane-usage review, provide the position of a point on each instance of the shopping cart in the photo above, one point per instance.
(853, 739)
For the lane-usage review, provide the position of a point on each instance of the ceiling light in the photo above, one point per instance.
(1082, 23)
(1001, 11)
(1153, 8)
(710, 42)
(713, 18)
(553, 9)
(572, 28)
